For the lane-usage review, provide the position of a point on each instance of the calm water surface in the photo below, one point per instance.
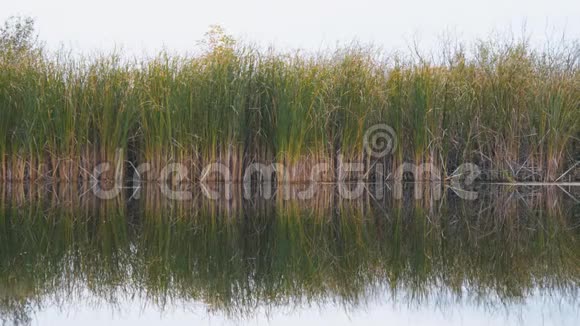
(509, 256)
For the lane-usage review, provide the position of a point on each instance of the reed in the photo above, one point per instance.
(511, 109)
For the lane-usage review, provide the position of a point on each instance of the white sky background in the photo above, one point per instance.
(147, 26)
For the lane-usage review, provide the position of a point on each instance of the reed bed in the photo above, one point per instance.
(509, 108)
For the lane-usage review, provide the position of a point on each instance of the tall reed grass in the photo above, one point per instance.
(512, 109)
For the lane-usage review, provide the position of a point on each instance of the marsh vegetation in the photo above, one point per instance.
(509, 108)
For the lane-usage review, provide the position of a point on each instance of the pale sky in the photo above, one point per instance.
(143, 26)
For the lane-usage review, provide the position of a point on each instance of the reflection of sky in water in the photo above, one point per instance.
(536, 310)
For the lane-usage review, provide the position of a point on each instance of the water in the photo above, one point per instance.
(509, 256)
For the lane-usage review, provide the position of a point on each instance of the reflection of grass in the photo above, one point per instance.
(236, 258)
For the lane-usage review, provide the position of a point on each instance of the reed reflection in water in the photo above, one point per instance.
(241, 257)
